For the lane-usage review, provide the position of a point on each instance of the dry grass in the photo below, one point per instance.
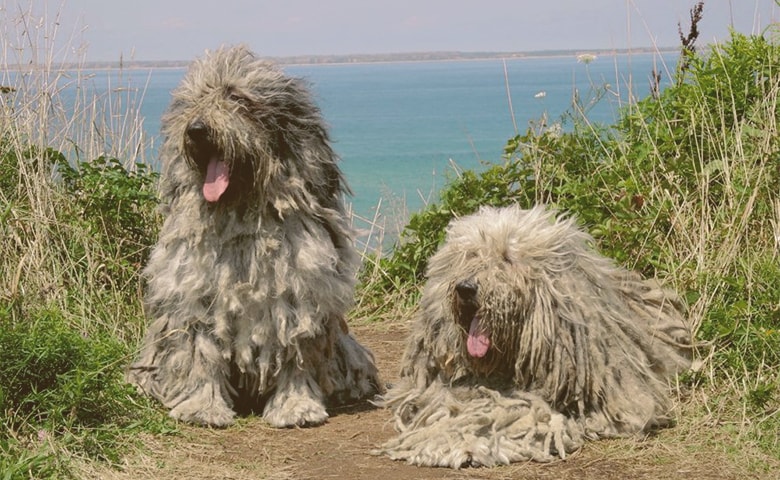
(45, 110)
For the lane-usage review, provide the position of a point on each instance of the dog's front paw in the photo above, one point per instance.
(203, 408)
(294, 410)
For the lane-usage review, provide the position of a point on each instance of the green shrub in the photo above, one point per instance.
(117, 206)
(715, 116)
(575, 171)
(57, 380)
(116, 201)
(74, 237)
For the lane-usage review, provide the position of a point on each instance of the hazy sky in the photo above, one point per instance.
(182, 29)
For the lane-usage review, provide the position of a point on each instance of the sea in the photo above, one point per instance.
(404, 129)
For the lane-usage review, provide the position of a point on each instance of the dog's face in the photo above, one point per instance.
(246, 128)
(501, 269)
(491, 303)
(224, 171)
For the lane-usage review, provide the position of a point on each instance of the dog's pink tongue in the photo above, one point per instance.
(217, 179)
(478, 341)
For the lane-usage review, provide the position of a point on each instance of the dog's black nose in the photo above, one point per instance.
(197, 130)
(467, 289)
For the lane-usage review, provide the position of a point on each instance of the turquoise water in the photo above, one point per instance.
(399, 127)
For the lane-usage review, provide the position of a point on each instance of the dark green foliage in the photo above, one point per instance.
(426, 229)
(116, 200)
(724, 97)
(118, 207)
(747, 326)
(50, 373)
(114, 205)
(715, 130)
(610, 177)
(55, 380)
(574, 171)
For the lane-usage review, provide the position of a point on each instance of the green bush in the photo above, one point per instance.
(574, 171)
(74, 237)
(116, 201)
(55, 380)
(713, 117)
(52, 374)
(117, 206)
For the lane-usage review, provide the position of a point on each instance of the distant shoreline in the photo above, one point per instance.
(352, 59)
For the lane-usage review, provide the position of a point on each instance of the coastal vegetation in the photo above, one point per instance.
(684, 186)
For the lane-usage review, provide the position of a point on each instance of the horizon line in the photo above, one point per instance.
(417, 56)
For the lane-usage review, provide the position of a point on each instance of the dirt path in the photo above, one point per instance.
(340, 449)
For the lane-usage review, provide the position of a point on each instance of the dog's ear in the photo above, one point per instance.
(553, 342)
(435, 339)
(302, 138)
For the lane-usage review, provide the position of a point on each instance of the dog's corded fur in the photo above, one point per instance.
(254, 270)
(527, 342)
